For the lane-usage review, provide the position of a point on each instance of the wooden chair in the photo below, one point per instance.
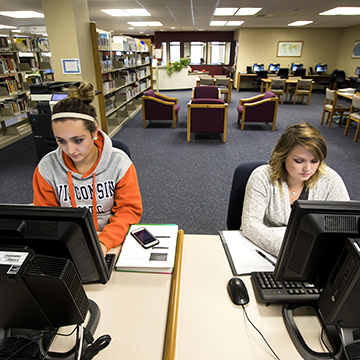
(303, 88)
(331, 108)
(206, 80)
(225, 86)
(207, 115)
(354, 115)
(205, 92)
(277, 87)
(156, 106)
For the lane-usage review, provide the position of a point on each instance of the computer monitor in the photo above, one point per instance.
(54, 231)
(258, 67)
(320, 68)
(357, 71)
(296, 66)
(315, 236)
(274, 68)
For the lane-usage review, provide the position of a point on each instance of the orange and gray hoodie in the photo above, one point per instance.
(110, 189)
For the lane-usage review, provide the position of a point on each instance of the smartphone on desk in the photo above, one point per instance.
(144, 238)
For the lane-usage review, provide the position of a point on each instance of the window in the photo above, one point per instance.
(196, 50)
(164, 52)
(219, 52)
(174, 51)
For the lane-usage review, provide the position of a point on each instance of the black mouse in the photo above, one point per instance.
(237, 291)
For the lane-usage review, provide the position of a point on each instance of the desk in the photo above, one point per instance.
(202, 322)
(345, 95)
(211, 327)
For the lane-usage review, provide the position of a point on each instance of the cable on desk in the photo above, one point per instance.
(266, 342)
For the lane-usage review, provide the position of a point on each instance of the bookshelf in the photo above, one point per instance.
(123, 74)
(24, 59)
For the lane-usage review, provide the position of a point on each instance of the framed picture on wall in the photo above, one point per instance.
(289, 48)
(356, 50)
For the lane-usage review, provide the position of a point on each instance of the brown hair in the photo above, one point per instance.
(79, 101)
(302, 134)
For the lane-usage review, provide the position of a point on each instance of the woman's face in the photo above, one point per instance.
(74, 139)
(300, 164)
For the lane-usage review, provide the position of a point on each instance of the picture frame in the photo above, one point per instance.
(356, 50)
(289, 49)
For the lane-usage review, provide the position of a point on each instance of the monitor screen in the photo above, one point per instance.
(296, 66)
(49, 71)
(274, 67)
(321, 68)
(314, 237)
(258, 67)
(357, 70)
(54, 231)
(58, 96)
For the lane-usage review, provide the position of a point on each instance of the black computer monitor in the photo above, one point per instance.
(357, 71)
(54, 231)
(274, 68)
(258, 67)
(320, 68)
(296, 66)
(315, 235)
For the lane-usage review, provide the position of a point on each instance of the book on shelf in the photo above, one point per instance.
(158, 259)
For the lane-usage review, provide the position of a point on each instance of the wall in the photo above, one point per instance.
(345, 61)
(260, 45)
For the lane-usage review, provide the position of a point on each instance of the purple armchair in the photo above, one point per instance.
(206, 92)
(207, 115)
(261, 108)
(159, 107)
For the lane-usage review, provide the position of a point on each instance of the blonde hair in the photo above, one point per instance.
(78, 101)
(302, 134)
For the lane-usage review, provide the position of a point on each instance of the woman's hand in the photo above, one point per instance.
(103, 248)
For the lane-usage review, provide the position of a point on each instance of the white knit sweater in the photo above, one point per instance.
(265, 207)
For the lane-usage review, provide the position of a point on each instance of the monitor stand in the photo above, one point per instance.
(300, 344)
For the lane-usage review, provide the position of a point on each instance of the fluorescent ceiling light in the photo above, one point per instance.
(248, 11)
(217, 23)
(342, 11)
(22, 14)
(7, 27)
(143, 23)
(138, 12)
(16, 31)
(224, 11)
(300, 23)
(234, 23)
(115, 12)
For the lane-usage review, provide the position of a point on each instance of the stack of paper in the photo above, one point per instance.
(158, 259)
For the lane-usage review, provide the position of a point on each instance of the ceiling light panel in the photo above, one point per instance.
(234, 23)
(217, 23)
(115, 12)
(342, 11)
(22, 14)
(137, 12)
(300, 23)
(247, 11)
(126, 12)
(7, 27)
(225, 11)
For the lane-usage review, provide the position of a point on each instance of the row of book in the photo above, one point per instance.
(24, 44)
(9, 87)
(121, 63)
(9, 108)
(126, 43)
(7, 65)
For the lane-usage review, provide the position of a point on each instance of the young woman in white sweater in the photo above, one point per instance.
(296, 170)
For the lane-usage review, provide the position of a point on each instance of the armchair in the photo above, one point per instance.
(159, 107)
(225, 86)
(206, 92)
(207, 115)
(260, 108)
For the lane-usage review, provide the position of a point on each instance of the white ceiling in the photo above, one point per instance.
(192, 15)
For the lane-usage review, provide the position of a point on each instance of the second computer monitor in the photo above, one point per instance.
(296, 66)
(258, 67)
(274, 67)
(320, 68)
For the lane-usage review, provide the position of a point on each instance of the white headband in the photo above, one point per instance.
(72, 115)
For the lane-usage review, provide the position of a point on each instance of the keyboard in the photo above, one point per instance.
(110, 261)
(272, 291)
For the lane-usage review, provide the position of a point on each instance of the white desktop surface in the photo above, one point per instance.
(210, 326)
(133, 312)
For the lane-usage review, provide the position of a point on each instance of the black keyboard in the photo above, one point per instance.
(272, 291)
(110, 261)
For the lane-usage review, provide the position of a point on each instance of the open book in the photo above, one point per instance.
(158, 259)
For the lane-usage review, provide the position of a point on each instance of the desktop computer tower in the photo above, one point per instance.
(339, 300)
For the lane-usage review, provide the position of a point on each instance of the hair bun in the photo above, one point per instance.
(84, 92)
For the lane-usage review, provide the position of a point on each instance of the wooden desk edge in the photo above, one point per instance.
(171, 325)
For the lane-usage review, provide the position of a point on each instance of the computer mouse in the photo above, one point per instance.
(237, 291)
